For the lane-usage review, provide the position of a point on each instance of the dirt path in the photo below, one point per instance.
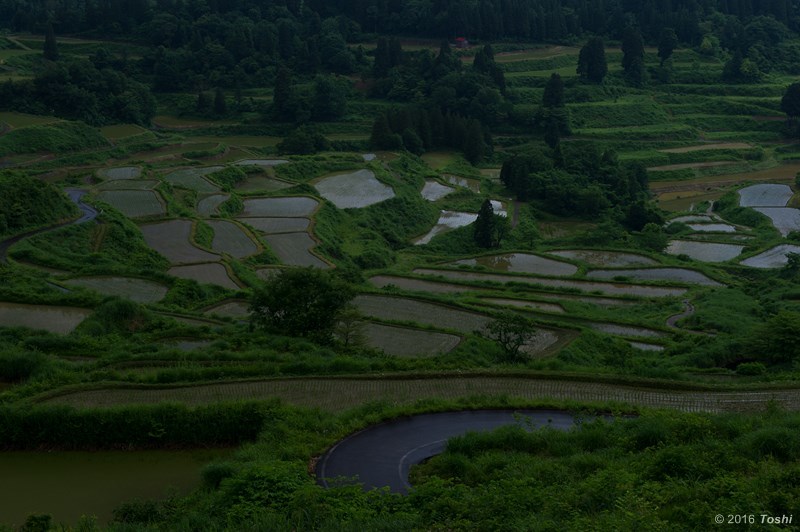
(336, 394)
(688, 310)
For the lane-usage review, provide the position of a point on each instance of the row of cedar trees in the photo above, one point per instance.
(419, 129)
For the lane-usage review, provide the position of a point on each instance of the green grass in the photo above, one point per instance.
(58, 137)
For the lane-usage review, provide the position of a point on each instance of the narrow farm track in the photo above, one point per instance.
(336, 394)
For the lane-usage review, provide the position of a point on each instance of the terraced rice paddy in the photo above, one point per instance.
(139, 290)
(521, 263)
(406, 309)
(192, 178)
(525, 304)
(448, 220)
(209, 205)
(231, 239)
(703, 147)
(785, 219)
(776, 257)
(278, 225)
(407, 342)
(134, 203)
(230, 309)
(647, 347)
(680, 275)
(289, 207)
(58, 320)
(688, 166)
(713, 228)
(433, 190)
(123, 172)
(598, 257)
(419, 285)
(128, 184)
(586, 286)
(337, 394)
(699, 218)
(765, 195)
(626, 330)
(704, 251)
(368, 156)
(212, 273)
(294, 249)
(464, 182)
(267, 163)
(172, 240)
(353, 190)
(262, 184)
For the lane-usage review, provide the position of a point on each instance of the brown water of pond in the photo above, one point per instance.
(69, 484)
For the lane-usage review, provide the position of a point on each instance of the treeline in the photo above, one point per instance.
(487, 19)
(90, 91)
(578, 180)
(26, 202)
(419, 130)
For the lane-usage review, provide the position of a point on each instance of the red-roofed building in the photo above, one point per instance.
(462, 42)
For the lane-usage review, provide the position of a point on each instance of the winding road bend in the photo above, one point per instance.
(382, 455)
(75, 195)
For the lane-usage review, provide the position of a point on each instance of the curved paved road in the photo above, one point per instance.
(382, 455)
(76, 195)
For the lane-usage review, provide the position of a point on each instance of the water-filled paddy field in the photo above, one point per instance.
(139, 290)
(464, 182)
(258, 183)
(353, 190)
(712, 228)
(192, 178)
(405, 341)
(230, 309)
(597, 257)
(134, 203)
(124, 172)
(67, 485)
(420, 285)
(433, 190)
(231, 239)
(704, 251)
(765, 195)
(212, 273)
(261, 162)
(55, 319)
(171, 239)
(128, 184)
(521, 263)
(681, 275)
(613, 289)
(209, 205)
(290, 207)
(525, 304)
(785, 219)
(294, 249)
(278, 225)
(448, 220)
(776, 257)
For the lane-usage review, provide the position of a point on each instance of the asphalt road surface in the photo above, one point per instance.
(383, 454)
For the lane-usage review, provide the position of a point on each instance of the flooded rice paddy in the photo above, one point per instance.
(776, 257)
(172, 240)
(212, 273)
(235, 308)
(464, 182)
(406, 309)
(134, 203)
(680, 275)
(448, 220)
(433, 190)
(521, 263)
(128, 184)
(420, 285)
(267, 163)
(713, 228)
(289, 207)
(294, 249)
(785, 219)
(209, 205)
(54, 319)
(597, 257)
(123, 172)
(613, 289)
(231, 239)
(408, 342)
(139, 290)
(765, 195)
(192, 179)
(278, 225)
(353, 190)
(704, 251)
(259, 183)
(525, 304)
